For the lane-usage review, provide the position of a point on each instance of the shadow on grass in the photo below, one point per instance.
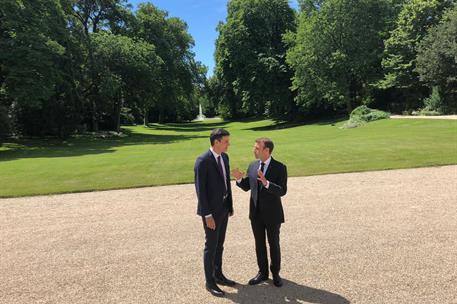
(189, 127)
(278, 125)
(290, 292)
(85, 145)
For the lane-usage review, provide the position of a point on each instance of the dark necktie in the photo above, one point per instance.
(259, 183)
(221, 171)
(262, 166)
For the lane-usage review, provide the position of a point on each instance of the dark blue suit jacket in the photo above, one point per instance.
(270, 211)
(209, 184)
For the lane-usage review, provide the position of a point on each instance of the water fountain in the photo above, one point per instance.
(200, 115)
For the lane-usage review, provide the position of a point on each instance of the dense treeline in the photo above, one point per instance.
(72, 66)
(333, 55)
(69, 66)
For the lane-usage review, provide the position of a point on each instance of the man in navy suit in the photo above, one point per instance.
(215, 205)
(267, 180)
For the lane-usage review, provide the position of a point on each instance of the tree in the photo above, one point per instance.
(250, 58)
(310, 6)
(87, 17)
(32, 58)
(399, 62)
(336, 53)
(126, 67)
(437, 60)
(178, 72)
(5, 127)
(69, 64)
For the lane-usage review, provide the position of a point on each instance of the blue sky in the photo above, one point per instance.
(202, 17)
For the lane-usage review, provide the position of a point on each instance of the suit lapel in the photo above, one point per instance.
(270, 169)
(214, 162)
(253, 174)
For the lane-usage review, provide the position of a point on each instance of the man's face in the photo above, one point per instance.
(260, 152)
(222, 145)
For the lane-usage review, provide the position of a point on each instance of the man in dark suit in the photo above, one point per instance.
(212, 183)
(267, 180)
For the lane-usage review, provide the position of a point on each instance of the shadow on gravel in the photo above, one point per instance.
(289, 293)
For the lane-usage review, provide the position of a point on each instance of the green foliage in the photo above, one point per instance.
(31, 49)
(4, 122)
(401, 48)
(73, 65)
(250, 58)
(179, 75)
(127, 117)
(437, 63)
(362, 115)
(334, 60)
(425, 112)
(127, 67)
(433, 103)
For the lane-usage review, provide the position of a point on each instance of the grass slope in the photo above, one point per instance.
(165, 154)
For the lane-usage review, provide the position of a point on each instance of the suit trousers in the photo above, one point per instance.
(214, 247)
(260, 230)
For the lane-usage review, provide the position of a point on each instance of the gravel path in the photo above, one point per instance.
(374, 237)
(453, 117)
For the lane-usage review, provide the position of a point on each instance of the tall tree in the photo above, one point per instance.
(399, 62)
(69, 64)
(250, 57)
(87, 17)
(178, 73)
(127, 67)
(33, 47)
(336, 53)
(436, 61)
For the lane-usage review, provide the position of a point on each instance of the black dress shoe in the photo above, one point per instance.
(222, 280)
(260, 277)
(214, 290)
(277, 281)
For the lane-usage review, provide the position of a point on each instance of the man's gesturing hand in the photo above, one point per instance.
(262, 178)
(237, 174)
(210, 223)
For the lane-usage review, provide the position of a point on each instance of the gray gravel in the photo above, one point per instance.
(374, 237)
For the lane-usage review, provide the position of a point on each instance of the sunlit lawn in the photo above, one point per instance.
(165, 154)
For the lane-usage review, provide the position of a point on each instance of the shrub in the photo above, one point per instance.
(363, 114)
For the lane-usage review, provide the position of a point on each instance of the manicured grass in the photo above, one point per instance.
(165, 154)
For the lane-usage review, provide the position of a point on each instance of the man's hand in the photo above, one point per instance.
(237, 174)
(262, 178)
(210, 223)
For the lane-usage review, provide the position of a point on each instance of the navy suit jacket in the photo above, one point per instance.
(209, 185)
(269, 200)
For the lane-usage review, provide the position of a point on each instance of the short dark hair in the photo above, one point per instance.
(217, 134)
(267, 143)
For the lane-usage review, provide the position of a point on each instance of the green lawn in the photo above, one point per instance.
(165, 154)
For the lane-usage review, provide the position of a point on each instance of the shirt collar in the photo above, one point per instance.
(214, 153)
(267, 162)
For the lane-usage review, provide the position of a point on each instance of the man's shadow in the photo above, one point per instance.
(290, 292)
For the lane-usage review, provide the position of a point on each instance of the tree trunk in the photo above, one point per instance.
(348, 101)
(94, 116)
(349, 106)
(161, 115)
(118, 116)
(146, 116)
